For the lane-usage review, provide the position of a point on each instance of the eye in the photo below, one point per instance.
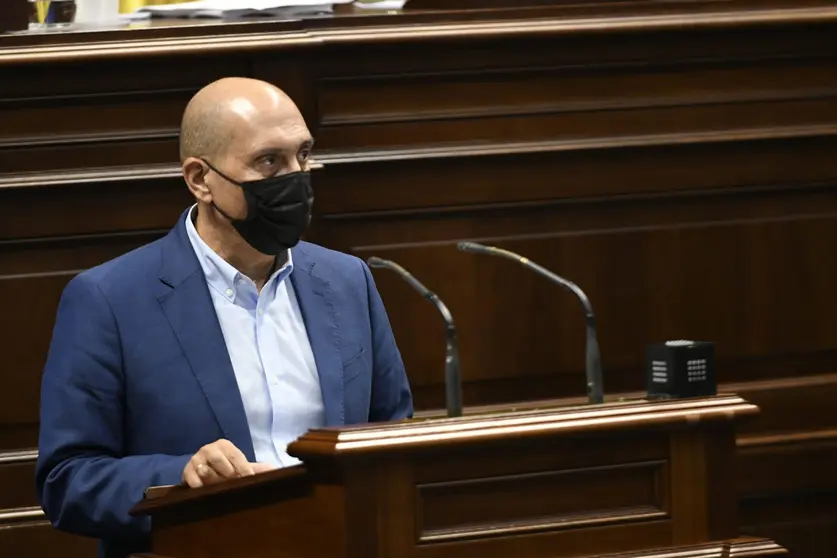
(304, 155)
(268, 160)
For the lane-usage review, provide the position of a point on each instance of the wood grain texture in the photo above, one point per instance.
(675, 159)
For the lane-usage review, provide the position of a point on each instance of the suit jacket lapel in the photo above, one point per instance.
(187, 304)
(316, 302)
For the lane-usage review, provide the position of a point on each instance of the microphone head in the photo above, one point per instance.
(375, 261)
(472, 247)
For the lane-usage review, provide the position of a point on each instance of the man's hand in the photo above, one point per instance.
(217, 462)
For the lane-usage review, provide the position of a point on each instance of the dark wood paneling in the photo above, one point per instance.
(72, 205)
(14, 15)
(509, 91)
(71, 115)
(804, 522)
(33, 275)
(47, 76)
(603, 172)
(31, 120)
(24, 539)
(675, 160)
(581, 497)
(743, 262)
(17, 477)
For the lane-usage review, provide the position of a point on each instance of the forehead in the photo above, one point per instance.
(279, 128)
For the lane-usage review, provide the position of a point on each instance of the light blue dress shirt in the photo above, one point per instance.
(269, 349)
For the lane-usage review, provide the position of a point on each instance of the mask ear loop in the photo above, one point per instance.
(221, 174)
(252, 210)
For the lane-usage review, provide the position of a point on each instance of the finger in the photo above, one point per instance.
(191, 477)
(208, 475)
(219, 462)
(262, 467)
(224, 445)
(238, 460)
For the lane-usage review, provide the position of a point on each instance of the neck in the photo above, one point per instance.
(221, 236)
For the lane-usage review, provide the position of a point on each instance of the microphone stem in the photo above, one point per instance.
(453, 379)
(593, 368)
(593, 360)
(453, 387)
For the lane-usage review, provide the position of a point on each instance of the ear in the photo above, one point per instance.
(194, 172)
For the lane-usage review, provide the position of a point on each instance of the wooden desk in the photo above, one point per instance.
(676, 160)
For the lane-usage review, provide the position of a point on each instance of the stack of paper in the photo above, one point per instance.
(232, 9)
(381, 4)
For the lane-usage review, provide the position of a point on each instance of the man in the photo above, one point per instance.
(199, 357)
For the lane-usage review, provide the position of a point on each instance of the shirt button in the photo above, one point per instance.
(229, 292)
(260, 311)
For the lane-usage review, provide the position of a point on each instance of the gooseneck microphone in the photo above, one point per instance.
(595, 392)
(453, 379)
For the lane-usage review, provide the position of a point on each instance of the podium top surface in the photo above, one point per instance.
(533, 423)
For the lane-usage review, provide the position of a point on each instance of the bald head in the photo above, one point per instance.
(225, 111)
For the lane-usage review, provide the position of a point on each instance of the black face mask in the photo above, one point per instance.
(278, 210)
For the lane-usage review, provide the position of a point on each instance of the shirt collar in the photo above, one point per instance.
(220, 274)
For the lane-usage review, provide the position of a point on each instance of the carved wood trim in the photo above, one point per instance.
(151, 48)
(542, 422)
(17, 457)
(21, 515)
(578, 521)
(743, 547)
(101, 176)
(287, 37)
(581, 25)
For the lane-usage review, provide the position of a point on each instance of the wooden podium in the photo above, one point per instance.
(633, 478)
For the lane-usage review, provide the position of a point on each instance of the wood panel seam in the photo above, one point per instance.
(575, 70)
(52, 140)
(579, 107)
(682, 225)
(650, 196)
(335, 157)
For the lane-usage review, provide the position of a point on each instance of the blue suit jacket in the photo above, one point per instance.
(138, 378)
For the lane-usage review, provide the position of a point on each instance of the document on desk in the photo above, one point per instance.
(235, 9)
(381, 4)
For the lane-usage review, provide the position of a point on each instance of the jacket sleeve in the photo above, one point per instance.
(391, 396)
(85, 482)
